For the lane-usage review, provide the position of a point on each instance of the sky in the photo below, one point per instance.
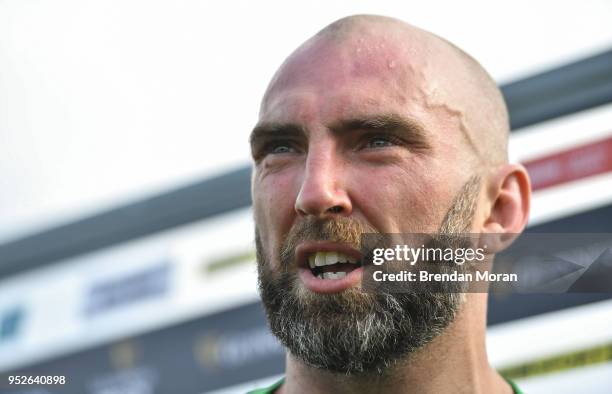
(105, 102)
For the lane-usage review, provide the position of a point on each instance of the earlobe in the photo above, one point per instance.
(510, 197)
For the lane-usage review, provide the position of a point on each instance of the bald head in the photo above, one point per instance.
(416, 69)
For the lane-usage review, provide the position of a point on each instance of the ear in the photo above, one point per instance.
(509, 196)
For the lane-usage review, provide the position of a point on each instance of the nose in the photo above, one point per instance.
(322, 192)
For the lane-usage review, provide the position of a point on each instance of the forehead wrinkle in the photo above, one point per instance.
(362, 99)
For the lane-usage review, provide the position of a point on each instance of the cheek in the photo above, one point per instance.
(401, 201)
(273, 209)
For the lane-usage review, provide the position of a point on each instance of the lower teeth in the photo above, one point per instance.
(332, 275)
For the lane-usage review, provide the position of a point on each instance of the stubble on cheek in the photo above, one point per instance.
(267, 225)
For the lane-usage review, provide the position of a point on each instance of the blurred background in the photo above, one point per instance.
(126, 242)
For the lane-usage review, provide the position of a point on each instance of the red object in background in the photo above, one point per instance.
(570, 165)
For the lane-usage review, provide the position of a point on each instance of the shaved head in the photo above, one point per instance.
(417, 67)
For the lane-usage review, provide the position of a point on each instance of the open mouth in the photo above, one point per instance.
(329, 267)
(332, 265)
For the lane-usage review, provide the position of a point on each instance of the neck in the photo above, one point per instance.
(454, 362)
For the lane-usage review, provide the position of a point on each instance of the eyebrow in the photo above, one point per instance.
(412, 131)
(271, 129)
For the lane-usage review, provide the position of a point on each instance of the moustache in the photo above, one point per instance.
(341, 230)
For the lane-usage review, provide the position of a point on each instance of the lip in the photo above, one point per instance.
(317, 285)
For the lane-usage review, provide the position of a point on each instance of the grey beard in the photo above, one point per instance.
(355, 332)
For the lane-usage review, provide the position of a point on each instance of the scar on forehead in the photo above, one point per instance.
(460, 117)
(455, 113)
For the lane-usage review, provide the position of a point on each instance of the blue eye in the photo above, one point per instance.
(275, 147)
(278, 149)
(380, 142)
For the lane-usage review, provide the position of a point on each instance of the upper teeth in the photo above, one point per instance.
(319, 259)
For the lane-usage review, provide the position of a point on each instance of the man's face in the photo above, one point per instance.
(348, 142)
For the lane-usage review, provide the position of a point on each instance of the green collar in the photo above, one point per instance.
(514, 386)
(269, 389)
